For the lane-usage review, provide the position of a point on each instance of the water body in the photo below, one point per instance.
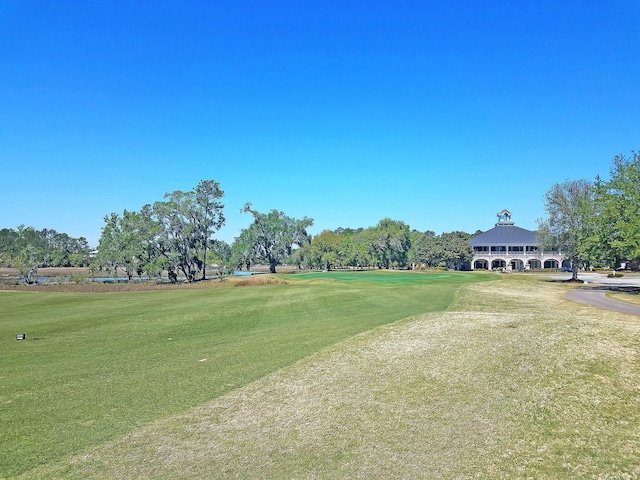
(58, 279)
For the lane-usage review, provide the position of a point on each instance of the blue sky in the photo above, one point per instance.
(437, 113)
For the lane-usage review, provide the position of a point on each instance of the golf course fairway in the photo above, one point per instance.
(95, 366)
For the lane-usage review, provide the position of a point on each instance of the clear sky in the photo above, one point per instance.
(436, 113)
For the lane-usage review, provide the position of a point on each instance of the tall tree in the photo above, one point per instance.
(273, 235)
(619, 198)
(30, 253)
(174, 234)
(425, 249)
(390, 243)
(27, 262)
(348, 251)
(8, 246)
(127, 243)
(324, 251)
(571, 222)
(187, 222)
(242, 251)
(58, 248)
(357, 250)
(29, 249)
(208, 214)
(455, 250)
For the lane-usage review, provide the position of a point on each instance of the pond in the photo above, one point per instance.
(61, 279)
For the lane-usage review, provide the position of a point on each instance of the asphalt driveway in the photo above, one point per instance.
(595, 294)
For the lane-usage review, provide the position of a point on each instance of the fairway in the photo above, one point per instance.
(385, 277)
(97, 366)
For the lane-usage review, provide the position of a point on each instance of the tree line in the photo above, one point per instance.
(176, 236)
(389, 244)
(596, 222)
(26, 249)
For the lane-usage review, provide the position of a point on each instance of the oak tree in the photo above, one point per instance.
(273, 235)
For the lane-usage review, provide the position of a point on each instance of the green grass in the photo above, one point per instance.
(628, 297)
(511, 381)
(98, 366)
(385, 277)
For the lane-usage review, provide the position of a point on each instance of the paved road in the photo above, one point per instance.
(595, 295)
(626, 281)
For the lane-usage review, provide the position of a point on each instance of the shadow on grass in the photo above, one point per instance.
(633, 290)
(570, 280)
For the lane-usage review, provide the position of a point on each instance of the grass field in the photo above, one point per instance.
(633, 298)
(99, 366)
(379, 375)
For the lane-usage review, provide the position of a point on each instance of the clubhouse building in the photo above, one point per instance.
(508, 247)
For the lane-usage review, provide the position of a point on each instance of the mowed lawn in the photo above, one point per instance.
(98, 366)
(512, 380)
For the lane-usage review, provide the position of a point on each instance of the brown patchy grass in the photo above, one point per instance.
(49, 271)
(513, 381)
(625, 297)
(629, 296)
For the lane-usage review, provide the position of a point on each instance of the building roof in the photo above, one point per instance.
(504, 235)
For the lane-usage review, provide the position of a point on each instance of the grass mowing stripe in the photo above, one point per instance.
(95, 365)
(513, 380)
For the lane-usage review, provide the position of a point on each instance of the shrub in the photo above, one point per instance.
(77, 277)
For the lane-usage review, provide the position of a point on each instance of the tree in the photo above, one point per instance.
(208, 214)
(425, 248)
(455, 250)
(324, 251)
(127, 243)
(8, 239)
(390, 243)
(619, 219)
(8, 246)
(571, 222)
(219, 253)
(26, 264)
(272, 235)
(299, 258)
(356, 247)
(350, 251)
(187, 222)
(242, 251)
(60, 247)
(56, 248)
(175, 234)
(29, 248)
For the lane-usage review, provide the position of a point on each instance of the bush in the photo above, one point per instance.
(615, 275)
(77, 278)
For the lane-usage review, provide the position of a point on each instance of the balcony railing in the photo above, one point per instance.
(517, 253)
